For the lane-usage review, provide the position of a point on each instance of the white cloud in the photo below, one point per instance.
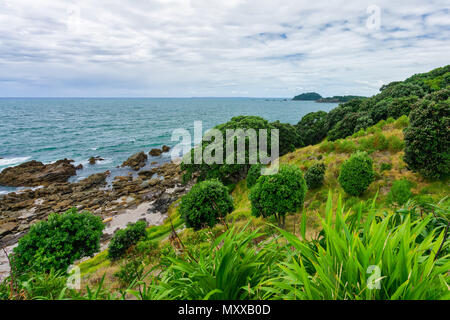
(214, 47)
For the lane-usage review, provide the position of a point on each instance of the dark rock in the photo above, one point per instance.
(165, 148)
(35, 173)
(136, 161)
(93, 160)
(79, 167)
(7, 228)
(155, 152)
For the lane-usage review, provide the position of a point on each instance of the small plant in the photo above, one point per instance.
(131, 270)
(278, 194)
(253, 174)
(56, 243)
(400, 192)
(385, 166)
(314, 176)
(207, 203)
(124, 239)
(395, 144)
(356, 174)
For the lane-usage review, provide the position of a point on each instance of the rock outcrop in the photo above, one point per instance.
(136, 161)
(155, 152)
(35, 173)
(93, 160)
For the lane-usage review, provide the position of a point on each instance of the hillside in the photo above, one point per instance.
(331, 238)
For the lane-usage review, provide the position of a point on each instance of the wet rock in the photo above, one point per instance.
(155, 152)
(165, 148)
(95, 180)
(136, 161)
(146, 174)
(93, 160)
(34, 173)
(79, 167)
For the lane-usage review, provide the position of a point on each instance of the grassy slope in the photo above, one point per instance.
(333, 155)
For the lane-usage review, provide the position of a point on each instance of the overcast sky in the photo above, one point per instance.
(222, 48)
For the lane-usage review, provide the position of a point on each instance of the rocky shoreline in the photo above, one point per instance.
(145, 196)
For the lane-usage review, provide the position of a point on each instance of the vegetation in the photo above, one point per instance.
(56, 243)
(278, 194)
(314, 176)
(253, 175)
(309, 96)
(207, 203)
(339, 99)
(312, 127)
(400, 192)
(125, 238)
(426, 138)
(356, 173)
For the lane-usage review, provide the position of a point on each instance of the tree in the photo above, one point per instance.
(56, 243)
(227, 171)
(206, 204)
(279, 194)
(427, 144)
(253, 175)
(313, 127)
(125, 238)
(356, 173)
(290, 138)
(309, 96)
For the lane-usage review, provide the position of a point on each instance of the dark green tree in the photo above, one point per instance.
(356, 173)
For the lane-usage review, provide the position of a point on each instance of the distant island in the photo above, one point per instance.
(309, 96)
(314, 96)
(338, 99)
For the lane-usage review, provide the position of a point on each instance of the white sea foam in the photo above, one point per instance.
(11, 161)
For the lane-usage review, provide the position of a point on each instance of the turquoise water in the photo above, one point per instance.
(51, 129)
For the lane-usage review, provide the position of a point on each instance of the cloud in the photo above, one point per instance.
(215, 48)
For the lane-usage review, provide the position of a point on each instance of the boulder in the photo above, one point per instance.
(136, 161)
(155, 152)
(165, 148)
(7, 228)
(34, 173)
(93, 160)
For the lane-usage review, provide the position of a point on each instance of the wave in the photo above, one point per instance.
(11, 161)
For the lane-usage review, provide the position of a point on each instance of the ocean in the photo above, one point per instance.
(49, 129)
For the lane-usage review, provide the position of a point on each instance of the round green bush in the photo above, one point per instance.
(205, 204)
(314, 175)
(427, 143)
(123, 239)
(356, 173)
(400, 192)
(253, 174)
(279, 193)
(56, 243)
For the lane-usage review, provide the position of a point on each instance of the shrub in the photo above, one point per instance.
(56, 243)
(279, 193)
(345, 127)
(205, 204)
(400, 192)
(395, 144)
(124, 239)
(253, 174)
(356, 174)
(344, 146)
(313, 127)
(427, 146)
(326, 146)
(379, 141)
(401, 122)
(401, 106)
(385, 166)
(314, 176)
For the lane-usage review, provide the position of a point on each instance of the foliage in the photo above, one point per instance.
(427, 146)
(290, 139)
(56, 243)
(400, 192)
(401, 106)
(345, 265)
(314, 176)
(313, 127)
(345, 127)
(308, 96)
(253, 174)
(124, 239)
(205, 204)
(229, 169)
(356, 174)
(279, 193)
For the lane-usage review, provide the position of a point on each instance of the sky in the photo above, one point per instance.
(216, 48)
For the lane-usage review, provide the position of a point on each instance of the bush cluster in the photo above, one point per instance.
(356, 173)
(56, 243)
(124, 239)
(314, 176)
(400, 192)
(253, 174)
(205, 204)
